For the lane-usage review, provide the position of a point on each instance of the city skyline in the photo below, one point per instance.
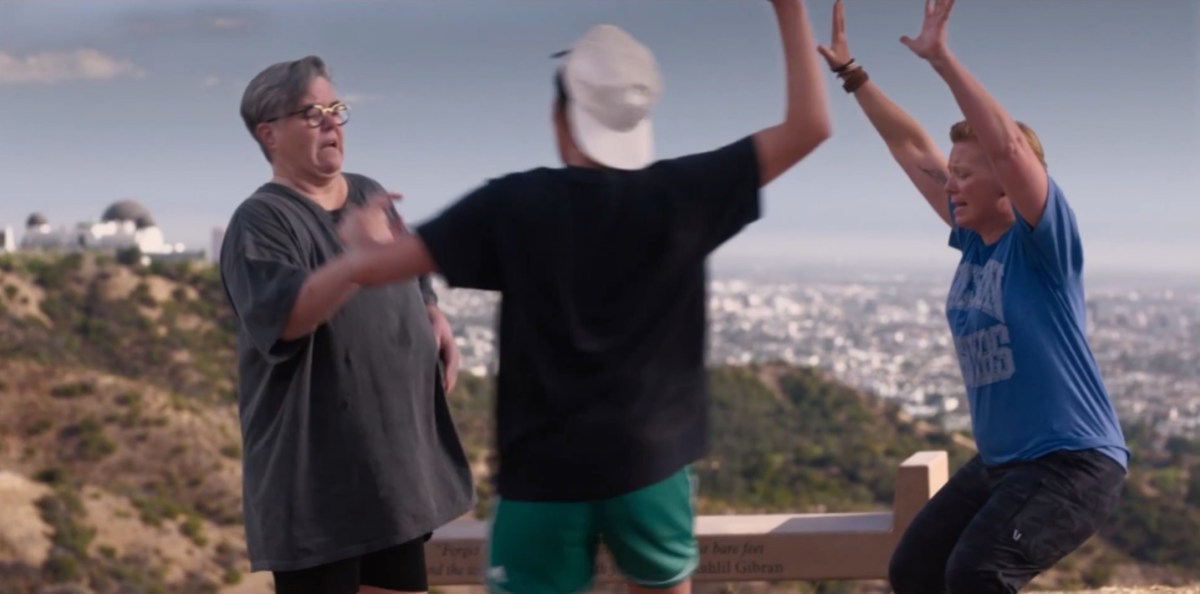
(887, 337)
(138, 100)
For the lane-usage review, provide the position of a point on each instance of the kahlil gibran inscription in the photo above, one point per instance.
(455, 561)
(744, 559)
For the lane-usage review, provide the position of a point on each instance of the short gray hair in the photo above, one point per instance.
(277, 89)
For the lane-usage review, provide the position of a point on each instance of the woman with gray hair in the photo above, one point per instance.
(351, 456)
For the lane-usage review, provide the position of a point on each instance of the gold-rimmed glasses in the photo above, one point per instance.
(316, 113)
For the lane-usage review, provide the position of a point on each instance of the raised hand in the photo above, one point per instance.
(838, 53)
(372, 224)
(931, 43)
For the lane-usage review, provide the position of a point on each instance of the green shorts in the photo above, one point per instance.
(550, 548)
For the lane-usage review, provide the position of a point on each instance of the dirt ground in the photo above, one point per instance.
(1193, 589)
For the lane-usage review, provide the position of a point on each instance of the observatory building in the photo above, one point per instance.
(123, 225)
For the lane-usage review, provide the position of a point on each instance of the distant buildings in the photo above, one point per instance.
(123, 225)
(889, 338)
(214, 250)
(8, 242)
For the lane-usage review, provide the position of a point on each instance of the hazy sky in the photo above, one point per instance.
(110, 100)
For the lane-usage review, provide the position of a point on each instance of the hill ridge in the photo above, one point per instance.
(120, 413)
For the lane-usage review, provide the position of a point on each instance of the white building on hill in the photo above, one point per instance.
(123, 225)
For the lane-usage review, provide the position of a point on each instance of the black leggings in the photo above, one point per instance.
(992, 530)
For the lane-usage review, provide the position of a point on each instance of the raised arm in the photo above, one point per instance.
(806, 123)
(1018, 168)
(909, 143)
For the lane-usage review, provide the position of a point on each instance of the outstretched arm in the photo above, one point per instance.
(909, 143)
(402, 260)
(806, 124)
(380, 250)
(1018, 169)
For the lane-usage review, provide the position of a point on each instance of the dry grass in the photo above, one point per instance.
(22, 298)
(157, 473)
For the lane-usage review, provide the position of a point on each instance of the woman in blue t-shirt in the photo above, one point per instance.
(1052, 457)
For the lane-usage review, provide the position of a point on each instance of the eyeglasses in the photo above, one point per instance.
(315, 114)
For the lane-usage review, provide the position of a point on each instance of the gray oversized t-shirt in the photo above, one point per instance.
(349, 446)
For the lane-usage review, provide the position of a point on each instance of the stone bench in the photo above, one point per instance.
(749, 548)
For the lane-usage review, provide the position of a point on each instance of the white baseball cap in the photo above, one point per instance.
(612, 82)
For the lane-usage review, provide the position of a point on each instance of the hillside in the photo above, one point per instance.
(119, 444)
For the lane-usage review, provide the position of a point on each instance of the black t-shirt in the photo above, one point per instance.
(602, 387)
(349, 446)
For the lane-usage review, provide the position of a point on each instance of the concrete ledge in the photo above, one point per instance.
(772, 547)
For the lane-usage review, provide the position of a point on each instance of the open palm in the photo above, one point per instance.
(931, 43)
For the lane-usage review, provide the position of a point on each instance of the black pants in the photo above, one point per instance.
(992, 530)
(401, 568)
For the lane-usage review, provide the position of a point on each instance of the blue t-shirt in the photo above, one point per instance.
(1017, 313)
